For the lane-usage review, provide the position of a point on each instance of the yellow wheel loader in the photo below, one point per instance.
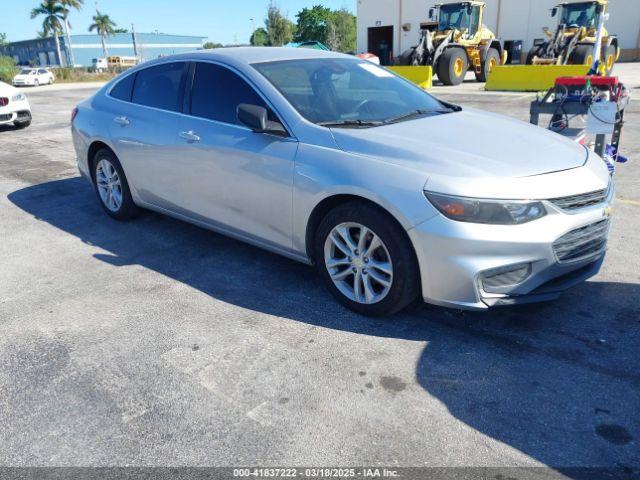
(455, 41)
(574, 41)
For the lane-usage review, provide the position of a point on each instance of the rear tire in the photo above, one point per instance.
(582, 55)
(123, 210)
(402, 284)
(452, 66)
(492, 60)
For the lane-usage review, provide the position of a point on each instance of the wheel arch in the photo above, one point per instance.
(94, 148)
(332, 201)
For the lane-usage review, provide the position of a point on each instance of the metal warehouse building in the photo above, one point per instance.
(397, 22)
(146, 46)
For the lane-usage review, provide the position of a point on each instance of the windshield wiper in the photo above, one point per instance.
(414, 114)
(350, 123)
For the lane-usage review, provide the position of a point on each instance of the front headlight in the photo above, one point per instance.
(495, 212)
(19, 97)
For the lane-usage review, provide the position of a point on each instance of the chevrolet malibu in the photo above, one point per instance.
(330, 160)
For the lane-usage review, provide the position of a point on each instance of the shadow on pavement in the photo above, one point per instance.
(559, 382)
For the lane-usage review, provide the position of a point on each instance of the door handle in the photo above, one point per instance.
(190, 136)
(122, 121)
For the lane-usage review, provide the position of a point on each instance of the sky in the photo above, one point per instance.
(225, 22)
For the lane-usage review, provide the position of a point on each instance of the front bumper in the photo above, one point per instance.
(19, 111)
(455, 258)
(24, 82)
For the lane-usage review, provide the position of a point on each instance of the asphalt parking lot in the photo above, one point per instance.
(158, 343)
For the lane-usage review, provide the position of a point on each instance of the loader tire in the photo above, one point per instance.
(452, 66)
(406, 57)
(582, 55)
(492, 60)
(609, 58)
(531, 55)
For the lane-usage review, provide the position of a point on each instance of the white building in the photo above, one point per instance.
(397, 22)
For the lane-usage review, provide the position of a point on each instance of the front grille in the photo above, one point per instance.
(6, 117)
(575, 202)
(4, 101)
(582, 243)
(23, 114)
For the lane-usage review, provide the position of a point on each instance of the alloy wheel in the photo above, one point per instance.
(109, 185)
(358, 263)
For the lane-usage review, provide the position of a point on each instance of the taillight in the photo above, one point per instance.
(74, 114)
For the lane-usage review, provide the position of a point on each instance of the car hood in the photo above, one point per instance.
(7, 90)
(469, 143)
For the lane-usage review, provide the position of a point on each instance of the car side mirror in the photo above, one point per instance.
(257, 119)
(554, 11)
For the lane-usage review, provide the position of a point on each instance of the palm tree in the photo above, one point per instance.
(105, 28)
(53, 14)
(68, 5)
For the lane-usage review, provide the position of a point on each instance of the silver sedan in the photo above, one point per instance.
(333, 161)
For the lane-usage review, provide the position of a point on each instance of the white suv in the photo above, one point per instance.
(33, 77)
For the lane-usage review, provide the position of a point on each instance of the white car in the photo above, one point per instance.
(14, 107)
(33, 77)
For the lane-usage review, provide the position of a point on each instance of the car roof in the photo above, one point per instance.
(258, 54)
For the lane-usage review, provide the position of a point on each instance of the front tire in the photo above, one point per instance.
(609, 58)
(582, 55)
(533, 53)
(406, 57)
(111, 186)
(492, 60)
(452, 66)
(366, 260)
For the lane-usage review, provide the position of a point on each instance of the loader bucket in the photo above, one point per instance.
(530, 78)
(421, 76)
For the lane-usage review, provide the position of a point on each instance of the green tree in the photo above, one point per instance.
(3, 39)
(211, 45)
(313, 24)
(68, 5)
(8, 69)
(259, 38)
(105, 28)
(53, 14)
(341, 31)
(279, 29)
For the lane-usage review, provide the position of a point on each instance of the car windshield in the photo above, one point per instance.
(348, 91)
(26, 71)
(579, 14)
(453, 17)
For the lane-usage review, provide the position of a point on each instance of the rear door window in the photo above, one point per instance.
(124, 88)
(217, 92)
(160, 86)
